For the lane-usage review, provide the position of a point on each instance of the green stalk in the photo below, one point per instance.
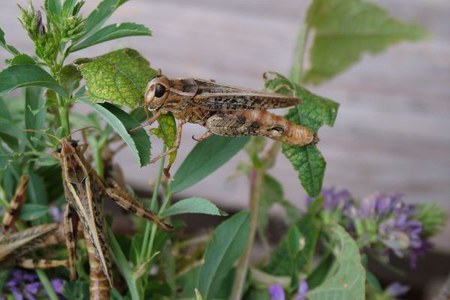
(148, 226)
(297, 67)
(47, 285)
(256, 180)
(122, 263)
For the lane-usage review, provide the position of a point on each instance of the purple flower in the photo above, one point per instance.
(40, 23)
(33, 288)
(302, 290)
(57, 285)
(276, 292)
(55, 213)
(26, 285)
(335, 199)
(397, 289)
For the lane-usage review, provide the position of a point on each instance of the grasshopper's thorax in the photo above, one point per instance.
(194, 115)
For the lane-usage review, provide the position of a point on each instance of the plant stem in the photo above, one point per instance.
(297, 68)
(63, 115)
(256, 180)
(122, 263)
(148, 226)
(47, 285)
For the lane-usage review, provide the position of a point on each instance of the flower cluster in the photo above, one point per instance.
(381, 222)
(276, 291)
(26, 285)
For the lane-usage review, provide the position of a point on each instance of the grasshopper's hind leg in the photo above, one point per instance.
(233, 125)
(260, 123)
(130, 204)
(31, 263)
(70, 232)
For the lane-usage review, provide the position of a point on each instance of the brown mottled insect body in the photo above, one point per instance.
(15, 245)
(84, 192)
(226, 110)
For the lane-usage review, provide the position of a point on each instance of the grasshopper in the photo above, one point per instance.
(14, 245)
(223, 110)
(84, 192)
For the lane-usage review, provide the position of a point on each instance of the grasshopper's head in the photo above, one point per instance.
(67, 146)
(157, 92)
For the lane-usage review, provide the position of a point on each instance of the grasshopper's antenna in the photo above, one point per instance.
(43, 133)
(84, 128)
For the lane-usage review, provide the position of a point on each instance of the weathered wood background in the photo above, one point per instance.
(393, 129)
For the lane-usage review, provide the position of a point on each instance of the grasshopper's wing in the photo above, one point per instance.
(217, 97)
(17, 244)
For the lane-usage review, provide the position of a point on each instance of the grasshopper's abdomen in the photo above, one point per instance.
(260, 123)
(99, 284)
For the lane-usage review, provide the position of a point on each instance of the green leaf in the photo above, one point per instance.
(313, 112)
(96, 18)
(4, 110)
(346, 29)
(272, 192)
(194, 205)
(296, 251)
(10, 129)
(112, 32)
(22, 59)
(17, 76)
(53, 7)
(5, 46)
(227, 243)
(30, 212)
(119, 77)
(34, 110)
(167, 131)
(36, 190)
(346, 278)
(310, 165)
(206, 157)
(138, 141)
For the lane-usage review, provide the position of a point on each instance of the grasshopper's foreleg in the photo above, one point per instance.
(176, 144)
(129, 203)
(148, 122)
(70, 232)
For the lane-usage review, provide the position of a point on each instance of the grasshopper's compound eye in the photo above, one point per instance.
(73, 143)
(160, 90)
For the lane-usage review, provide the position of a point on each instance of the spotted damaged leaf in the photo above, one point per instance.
(119, 77)
(312, 112)
(167, 131)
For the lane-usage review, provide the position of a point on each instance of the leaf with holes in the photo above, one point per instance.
(119, 77)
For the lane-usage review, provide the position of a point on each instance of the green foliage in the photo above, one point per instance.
(194, 205)
(227, 243)
(433, 217)
(346, 278)
(111, 32)
(138, 140)
(18, 76)
(168, 133)
(206, 157)
(346, 29)
(111, 84)
(119, 77)
(313, 112)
